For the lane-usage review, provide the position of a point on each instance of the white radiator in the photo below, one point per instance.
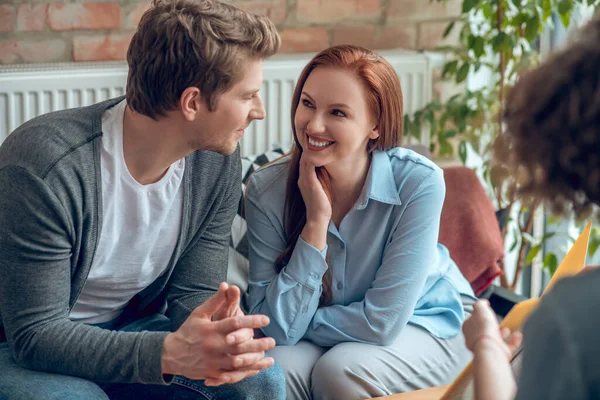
(30, 90)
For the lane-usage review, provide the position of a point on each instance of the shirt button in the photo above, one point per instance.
(340, 285)
(304, 309)
(313, 275)
(342, 245)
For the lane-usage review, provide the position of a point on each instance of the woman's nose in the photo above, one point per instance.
(315, 124)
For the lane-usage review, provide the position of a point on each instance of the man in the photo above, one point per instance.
(115, 221)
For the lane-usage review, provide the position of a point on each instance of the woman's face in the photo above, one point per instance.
(333, 121)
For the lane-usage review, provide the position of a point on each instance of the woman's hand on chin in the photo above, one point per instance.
(318, 206)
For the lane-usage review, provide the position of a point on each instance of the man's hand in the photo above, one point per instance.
(231, 305)
(231, 308)
(217, 351)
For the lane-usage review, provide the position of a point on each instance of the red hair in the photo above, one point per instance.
(384, 99)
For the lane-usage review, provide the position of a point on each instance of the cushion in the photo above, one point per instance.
(237, 273)
(469, 228)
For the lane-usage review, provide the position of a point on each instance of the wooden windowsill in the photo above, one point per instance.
(425, 394)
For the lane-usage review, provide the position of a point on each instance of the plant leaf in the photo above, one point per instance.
(551, 263)
(501, 42)
(478, 46)
(450, 133)
(594, 243)
(407, 124)
(468, 5)
(449, 68)
(532, 253)
(528, 237)
(547, 236)
(445, 148)
(514, 245)
(462, 151)
(565, 7)
(448, 29)
(462, 73)
(532, 29)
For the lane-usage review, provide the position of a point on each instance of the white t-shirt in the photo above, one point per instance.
(140, 227)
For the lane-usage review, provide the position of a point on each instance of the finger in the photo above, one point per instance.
(213, 304)
(311, 174)
(505, 333)
(302, 170)
(481, 306)
(238, 376)
(260, 365)
(515, 341)
(243, 361)
(239, 336)
(235, 376)
(229, 325)
(233, 300)
(253, 346)
(233, 295)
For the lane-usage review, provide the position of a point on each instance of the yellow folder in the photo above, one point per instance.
(572, 264)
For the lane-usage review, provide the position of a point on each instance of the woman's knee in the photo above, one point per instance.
(339, 374)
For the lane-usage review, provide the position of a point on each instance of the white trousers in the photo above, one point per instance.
(347, 371)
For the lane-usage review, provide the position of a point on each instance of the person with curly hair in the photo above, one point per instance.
(552, 145)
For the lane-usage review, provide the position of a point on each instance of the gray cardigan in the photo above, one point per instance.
(50, 219)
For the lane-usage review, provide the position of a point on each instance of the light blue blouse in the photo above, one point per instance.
(388, 267)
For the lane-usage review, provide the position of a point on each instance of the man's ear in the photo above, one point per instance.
(191, 103)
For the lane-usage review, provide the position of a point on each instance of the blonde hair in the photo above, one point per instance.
(192, 43)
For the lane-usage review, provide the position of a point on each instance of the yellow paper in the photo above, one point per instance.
(574, 260)
(572, 264)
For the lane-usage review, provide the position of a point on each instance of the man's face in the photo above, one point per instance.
(221, 130)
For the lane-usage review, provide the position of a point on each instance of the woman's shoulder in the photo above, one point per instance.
(407, 158)
(411, 169)
(269, 180)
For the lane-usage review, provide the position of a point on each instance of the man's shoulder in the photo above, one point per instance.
(214, 165)
(42, 142)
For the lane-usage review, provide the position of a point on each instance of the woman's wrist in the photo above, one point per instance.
(315, 233)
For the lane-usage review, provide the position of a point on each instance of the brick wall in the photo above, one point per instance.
(34, 31)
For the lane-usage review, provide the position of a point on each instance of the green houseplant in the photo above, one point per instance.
(500, 37)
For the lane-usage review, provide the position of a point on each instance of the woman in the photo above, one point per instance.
(552, 136)
(343, 234)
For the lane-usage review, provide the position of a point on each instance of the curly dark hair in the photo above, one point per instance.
(552, 115)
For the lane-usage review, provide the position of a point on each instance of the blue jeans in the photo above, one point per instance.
(18, 383)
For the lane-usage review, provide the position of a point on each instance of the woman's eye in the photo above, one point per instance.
(306, 103)
(338, 113)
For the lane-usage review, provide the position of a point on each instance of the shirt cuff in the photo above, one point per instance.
(307, 264)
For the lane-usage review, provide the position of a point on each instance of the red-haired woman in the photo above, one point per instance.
(343, 235)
